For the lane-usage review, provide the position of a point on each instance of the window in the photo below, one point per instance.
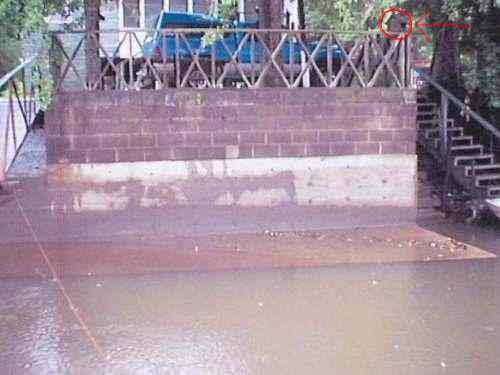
(201, 6)
(144, 13)
(152, 8)
(178, 5)
(131, 13)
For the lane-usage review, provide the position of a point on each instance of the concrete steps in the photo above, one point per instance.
(434, 132)
(493, 191)
(455, 141)
(482, 169)
(477, 159)
(487, 180)
(464, 152)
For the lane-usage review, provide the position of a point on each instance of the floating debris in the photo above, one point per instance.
(443, 364)
(98, 285)
(456, 245)
(273, 234)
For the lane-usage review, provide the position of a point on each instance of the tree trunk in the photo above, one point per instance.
(92, 59)
(445, 58)
(302, 14)
(270, 17)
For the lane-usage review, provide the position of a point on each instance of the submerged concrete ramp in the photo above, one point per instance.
(248, 194)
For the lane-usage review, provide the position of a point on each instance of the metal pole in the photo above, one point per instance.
(444, 150)
(4, 151)
(401, 62)
(444, 124)
(408, 59)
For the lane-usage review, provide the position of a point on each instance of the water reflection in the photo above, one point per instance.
(389, 319)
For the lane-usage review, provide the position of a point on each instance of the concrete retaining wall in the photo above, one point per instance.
(128, 126)
(237, 159)
(347, 190)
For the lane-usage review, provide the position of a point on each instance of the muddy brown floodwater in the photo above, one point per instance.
(402, 318)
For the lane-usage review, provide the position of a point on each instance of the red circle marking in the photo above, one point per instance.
(389, 35)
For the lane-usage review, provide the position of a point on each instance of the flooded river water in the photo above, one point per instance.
(407, 318)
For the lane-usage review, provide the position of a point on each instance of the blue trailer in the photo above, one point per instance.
(164, 46)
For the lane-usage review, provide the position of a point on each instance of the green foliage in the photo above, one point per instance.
(478, 47)
(346, 15)
(227, 11)
(480, 52)
(45, 91)
(210, 37)
(19, 18)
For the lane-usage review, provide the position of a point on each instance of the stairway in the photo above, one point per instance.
(472, 166)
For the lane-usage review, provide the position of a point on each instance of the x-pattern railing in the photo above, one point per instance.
(18, 109)
(177, 58)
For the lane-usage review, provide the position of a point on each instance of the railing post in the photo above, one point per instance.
(443, 118)
(54, 60)
(408, 59)
(3, 150)
(402, 62)
(5, 139)
(177, 62)
(444, 124)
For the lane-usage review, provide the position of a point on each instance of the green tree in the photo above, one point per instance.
(346, 15)
(461, 59)
(20, 18)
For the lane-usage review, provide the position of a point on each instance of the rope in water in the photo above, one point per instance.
(98, 348)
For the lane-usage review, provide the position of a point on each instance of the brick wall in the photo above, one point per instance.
(119, 126)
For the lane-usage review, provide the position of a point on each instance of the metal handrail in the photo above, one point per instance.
(21, 110)
(484, 123)
(7, 77)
